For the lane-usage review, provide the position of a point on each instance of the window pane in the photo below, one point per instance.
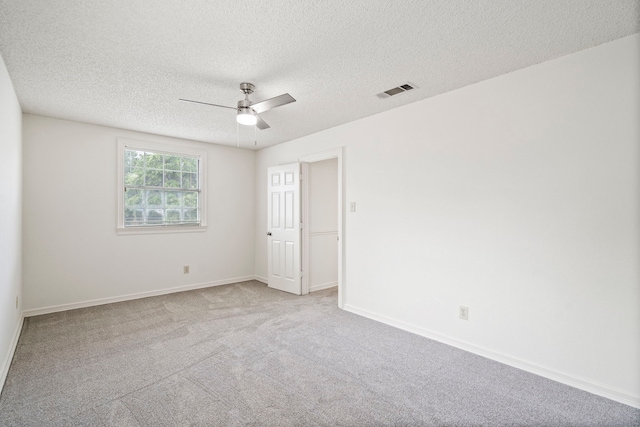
(133, 216)
(154, 198)
(172, 179)
(134, 177)
(174, 198)
(153, 160)
(190, 199)
(153, 178)
(133, 198)
(189, 180)
(154, 216)
(133, 167)
(137, 159)
(127, 161)
(133, 159)
(173, 215)
(172, 163)
(129, 214)
(190, 214)
(189, 165)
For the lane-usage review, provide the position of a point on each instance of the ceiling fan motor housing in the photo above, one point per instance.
(244, 103)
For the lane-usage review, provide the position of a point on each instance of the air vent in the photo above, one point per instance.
(396, 90)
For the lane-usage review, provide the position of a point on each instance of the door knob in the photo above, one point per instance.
(268, 233)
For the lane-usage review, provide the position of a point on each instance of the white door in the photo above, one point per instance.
(283, 228)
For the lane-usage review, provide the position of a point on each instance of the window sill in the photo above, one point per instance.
(160, 230)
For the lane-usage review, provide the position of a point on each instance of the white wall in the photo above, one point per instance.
(72, 253)
(517, 197)
(323, 224)
(10, 219)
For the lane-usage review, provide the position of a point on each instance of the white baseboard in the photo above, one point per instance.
(109, 300)
(322, 286)
(573, 381)
(6, 363)
(261, 279)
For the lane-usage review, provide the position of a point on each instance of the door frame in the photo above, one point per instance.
(336, 153)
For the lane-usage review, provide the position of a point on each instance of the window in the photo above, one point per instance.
(160, 188)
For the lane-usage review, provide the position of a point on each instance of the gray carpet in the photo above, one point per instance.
(247, 355)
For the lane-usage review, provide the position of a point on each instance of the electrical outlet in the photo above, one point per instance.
(463, 312)
(185, 269)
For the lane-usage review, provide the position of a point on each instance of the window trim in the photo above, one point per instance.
(125, 143)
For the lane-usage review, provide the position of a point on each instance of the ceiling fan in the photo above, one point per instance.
(247, 112)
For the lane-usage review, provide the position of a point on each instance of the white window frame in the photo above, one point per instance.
(130, 144)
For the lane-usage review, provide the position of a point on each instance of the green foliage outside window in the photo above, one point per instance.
(160, 189)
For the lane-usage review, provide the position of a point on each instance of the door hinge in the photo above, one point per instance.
(301, 177)
(301, 226)
(301, 274)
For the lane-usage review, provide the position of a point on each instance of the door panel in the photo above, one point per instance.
(283, 235)
(275, 210)
(289, 211)
(275, 258)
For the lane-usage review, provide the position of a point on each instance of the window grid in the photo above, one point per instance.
(161, 189)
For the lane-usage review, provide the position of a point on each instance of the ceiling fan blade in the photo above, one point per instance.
(206, 103)
(261, 124)
(268, 104)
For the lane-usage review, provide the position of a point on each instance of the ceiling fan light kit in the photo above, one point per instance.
(245, 114)
(246, 117)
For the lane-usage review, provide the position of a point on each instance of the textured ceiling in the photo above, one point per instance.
(125, 63)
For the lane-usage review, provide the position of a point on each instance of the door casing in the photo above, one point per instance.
(336, 153)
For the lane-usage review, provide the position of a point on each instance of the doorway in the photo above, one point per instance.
(322, 216)
(321, 224)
